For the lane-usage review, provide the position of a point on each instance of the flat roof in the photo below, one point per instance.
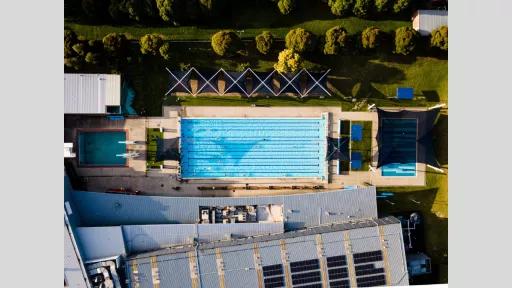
(300, 210)
(91, 93)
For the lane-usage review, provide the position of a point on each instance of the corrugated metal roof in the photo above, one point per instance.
(300, 210)
(142, 238)
(73, 274)
(431, 19)
(237, 256)
(100, 242)
(91, 93)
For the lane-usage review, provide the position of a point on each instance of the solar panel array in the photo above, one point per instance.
(367, 274)
(273, 276)
(306, 272)
(338, 272)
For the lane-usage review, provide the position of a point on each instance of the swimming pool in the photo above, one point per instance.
(253, 147)
(400, 136)
(99, 148)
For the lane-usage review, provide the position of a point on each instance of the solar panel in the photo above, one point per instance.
(317, 285)
(274, 285)
(338, 273)
(340, 284)
(304, 278)
(370, 281)
(307, 265)
(273, 270)
(365, 257)
(341, 258)
(274, 280)
(368, 269)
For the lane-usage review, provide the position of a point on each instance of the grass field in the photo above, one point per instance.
(252, 17)
(354, 77)
(153, 136)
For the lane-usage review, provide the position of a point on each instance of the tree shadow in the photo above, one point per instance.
(440, 139)
(431, 95)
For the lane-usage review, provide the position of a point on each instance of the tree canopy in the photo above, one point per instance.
(371, 37)
(300, 40)
(439, 38)
(363, 8)
(165, 51)
(405, 40)
(288, 61)
(115, 43)
(264, 42)
(341, 7)
(226, 43)
(382, 6)
(335, 39)
(401, 6)
(150, 44)
(286, 6)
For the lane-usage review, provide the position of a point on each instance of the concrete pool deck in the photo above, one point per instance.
(164, 181)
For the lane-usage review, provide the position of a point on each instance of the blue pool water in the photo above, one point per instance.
(253, 147)
(400, 134)
(99, 148)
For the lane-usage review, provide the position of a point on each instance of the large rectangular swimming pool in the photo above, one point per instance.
(99, 148)
(400, 136)
(253, 147)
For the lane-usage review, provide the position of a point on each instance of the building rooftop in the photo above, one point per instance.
(299, 210)
(91, 93)
(425, 21)
(366, 252)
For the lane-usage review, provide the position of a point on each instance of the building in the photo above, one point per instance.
(92, 93)
(362, 253)
(425, 21)
(298, 210)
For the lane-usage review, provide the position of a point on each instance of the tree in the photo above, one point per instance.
(288, 61)
(165, 51)
(286, 6)
(371, 37)
(335, 39)
(165, 9)
(382, 6)
(401, 6)
(439, 38)
(226, 43)
(115, 44)
(73, 62)
(211, 8)
(150, 44)
(264, 42)
(80, 49)
(405, 40)
(300, 40)
(70, 39)
(341, 7)
(92, 58)
(362, 8)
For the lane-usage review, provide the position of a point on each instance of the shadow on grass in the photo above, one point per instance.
(440, 139)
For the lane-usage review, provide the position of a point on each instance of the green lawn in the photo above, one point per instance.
(370, 77)
(250, 16)
(153, 136)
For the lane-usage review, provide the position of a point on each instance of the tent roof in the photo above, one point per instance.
(387, 138)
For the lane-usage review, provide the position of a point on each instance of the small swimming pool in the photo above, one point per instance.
(99, 148)
(253, 147)
(399, 136)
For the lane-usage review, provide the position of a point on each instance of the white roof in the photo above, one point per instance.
(428, 20)
(91, 93)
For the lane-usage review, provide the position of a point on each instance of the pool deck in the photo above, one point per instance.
(164, 181)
